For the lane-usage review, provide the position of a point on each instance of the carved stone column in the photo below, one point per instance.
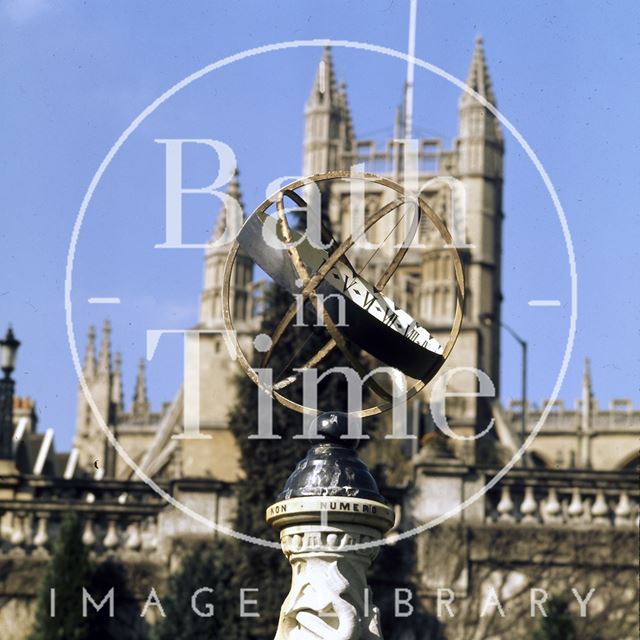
(329, 514)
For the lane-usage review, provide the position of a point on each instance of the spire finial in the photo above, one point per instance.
(234, 185)
(89, 368)
(104, 359)
(478, 78)
(229, 216)
(117, 396)
(140, 401)
(587, 406)
(586, 377)
(324, 91)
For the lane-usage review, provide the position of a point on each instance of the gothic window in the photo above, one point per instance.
(446, 302)
(436, 267)
(445, 268)
(412, 294)
(439, 202)
(476, 120)
(437, 302)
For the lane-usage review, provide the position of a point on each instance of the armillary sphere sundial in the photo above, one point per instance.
(330, 513)
(373, 321)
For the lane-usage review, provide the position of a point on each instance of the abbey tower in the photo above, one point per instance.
(423, 285)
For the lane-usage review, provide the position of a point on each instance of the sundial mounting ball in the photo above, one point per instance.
(326, 279)
(333, 427)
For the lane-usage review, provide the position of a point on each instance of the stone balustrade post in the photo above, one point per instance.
(552, 509)
(88, 536)
(529, 506)
(505, 507)
(623, 511)
(111, 539)
(134, 539)
(41, 539)
(18, 537)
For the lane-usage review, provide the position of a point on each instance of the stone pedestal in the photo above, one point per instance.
(329, 514)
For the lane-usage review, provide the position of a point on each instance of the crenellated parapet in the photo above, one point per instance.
(585, 436)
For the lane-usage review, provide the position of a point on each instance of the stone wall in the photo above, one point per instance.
(468, 567)
(480, 563)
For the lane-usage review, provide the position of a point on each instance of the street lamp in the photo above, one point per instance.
(489, 319)
(8, 351)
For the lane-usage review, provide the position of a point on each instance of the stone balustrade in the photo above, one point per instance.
(32, 531)
(115, 516)
(560, 498)
(124, 516)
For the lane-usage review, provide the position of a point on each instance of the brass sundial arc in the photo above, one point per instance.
(311, 282)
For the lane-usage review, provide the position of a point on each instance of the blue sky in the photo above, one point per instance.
(74, 76)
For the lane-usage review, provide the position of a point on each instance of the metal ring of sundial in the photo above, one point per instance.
(310, 284)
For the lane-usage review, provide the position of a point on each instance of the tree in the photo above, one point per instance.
(558, 625)
(126, 623)
(68, 572)
(211, 566)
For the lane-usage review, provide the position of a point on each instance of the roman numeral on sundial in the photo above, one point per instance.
(390, 317)
(369, 299)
